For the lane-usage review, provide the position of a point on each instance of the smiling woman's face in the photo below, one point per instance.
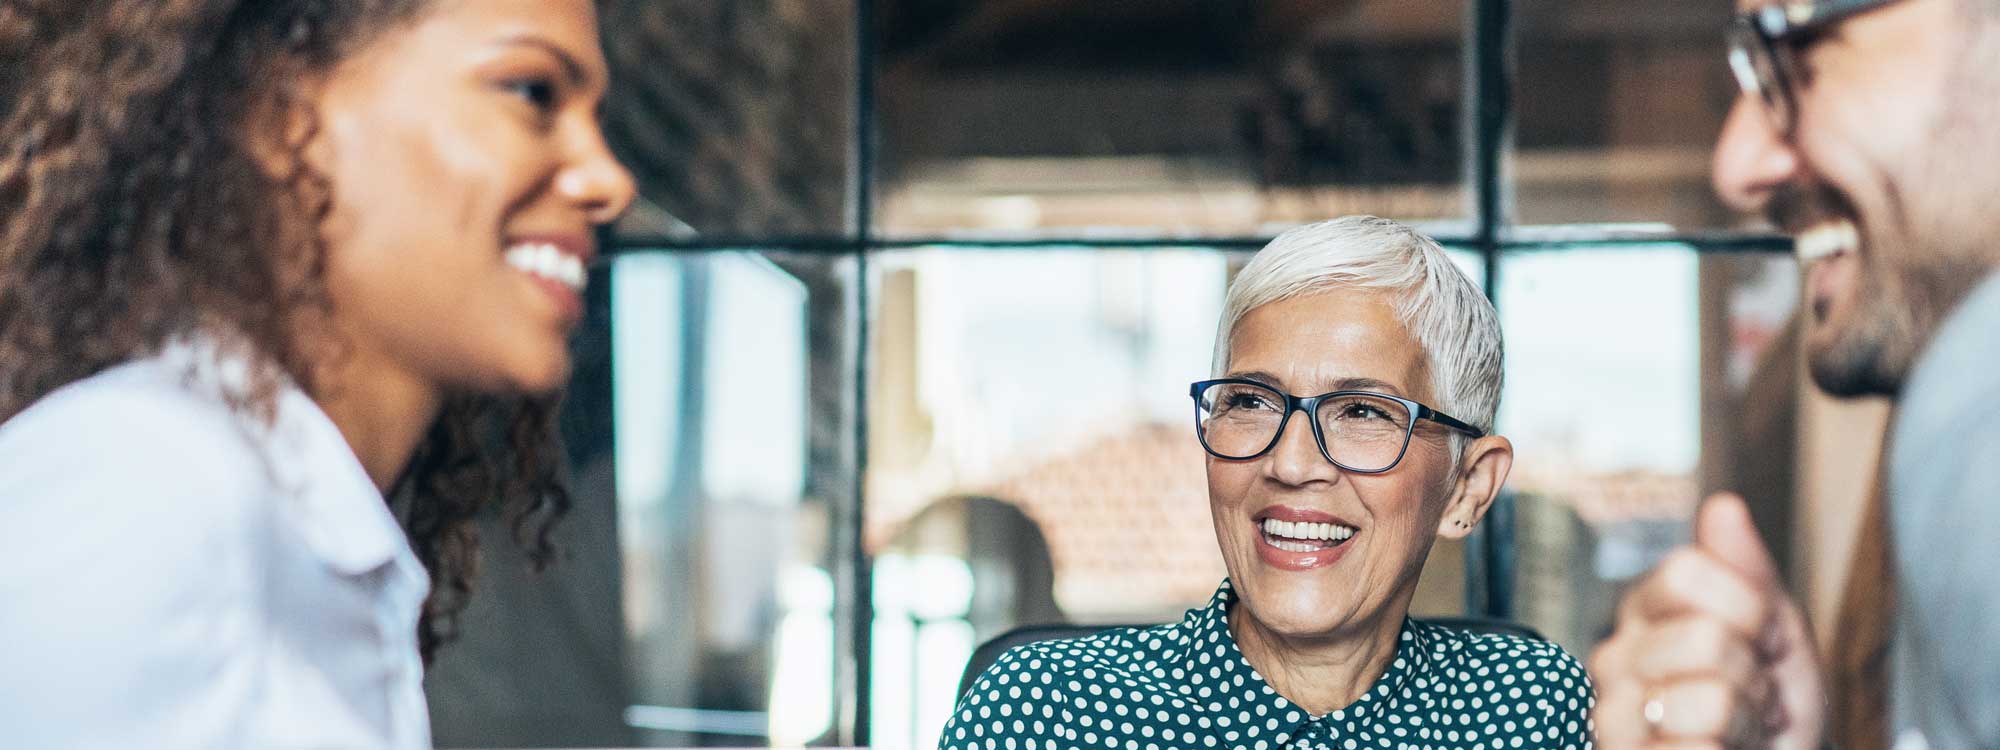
(1307, 345)
(468, 172)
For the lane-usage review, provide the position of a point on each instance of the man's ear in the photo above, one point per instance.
(1481, 474)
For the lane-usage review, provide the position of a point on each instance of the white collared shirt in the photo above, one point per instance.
(177, 574)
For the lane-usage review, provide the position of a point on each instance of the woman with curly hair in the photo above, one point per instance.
(265, 266)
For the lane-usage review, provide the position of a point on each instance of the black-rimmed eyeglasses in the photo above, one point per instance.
(1360, 431)
(1764, 45)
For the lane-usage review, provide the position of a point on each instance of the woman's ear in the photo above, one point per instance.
(279, 130)
(1481, 474)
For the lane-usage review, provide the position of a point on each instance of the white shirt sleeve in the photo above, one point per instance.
(132, 523)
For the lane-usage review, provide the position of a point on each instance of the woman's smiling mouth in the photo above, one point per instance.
(558, 266)
(1292, 536)
(1301, 539)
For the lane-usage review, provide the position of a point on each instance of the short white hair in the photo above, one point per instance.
(1451, 319)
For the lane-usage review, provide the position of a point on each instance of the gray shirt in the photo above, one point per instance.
(1944, 512)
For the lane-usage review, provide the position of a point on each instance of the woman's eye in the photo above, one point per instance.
(537, 92)
(1362, 411)
(1248, 401)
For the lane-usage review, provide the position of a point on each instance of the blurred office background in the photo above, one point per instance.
(893, 355)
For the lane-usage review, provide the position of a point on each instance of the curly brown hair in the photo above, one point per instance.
(138, 205)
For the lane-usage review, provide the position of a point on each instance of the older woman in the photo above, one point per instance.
(1334, 464)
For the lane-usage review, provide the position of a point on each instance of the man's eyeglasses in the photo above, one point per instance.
(1764, 45)
(1360, 431)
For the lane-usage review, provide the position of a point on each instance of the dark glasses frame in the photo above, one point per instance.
(1764, 47)
(1310, 405)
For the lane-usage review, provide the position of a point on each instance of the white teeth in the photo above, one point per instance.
(549, 262)
(1294, 546)
(1324, 532)
(1826, 240)
(518, 258)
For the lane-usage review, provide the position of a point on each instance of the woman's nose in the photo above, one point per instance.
(599, 183)
(1296, 459)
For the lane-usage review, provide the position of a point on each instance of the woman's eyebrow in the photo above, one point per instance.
(1338, 384)
(574, 70)
(1367, 384)
(1261, 377)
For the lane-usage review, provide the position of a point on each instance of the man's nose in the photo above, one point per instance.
(1751, 158)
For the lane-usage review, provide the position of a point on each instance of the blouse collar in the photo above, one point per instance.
(1209, 632)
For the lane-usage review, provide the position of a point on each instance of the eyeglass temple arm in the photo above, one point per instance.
(1784, 17)
(1449, 421)
(1832, 9)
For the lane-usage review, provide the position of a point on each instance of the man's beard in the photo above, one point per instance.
(1906, 289)
(1872, 350)
(1869, 357)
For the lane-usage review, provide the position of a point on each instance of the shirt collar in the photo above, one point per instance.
(1210, 625)
(1961, 344)
(324, 491)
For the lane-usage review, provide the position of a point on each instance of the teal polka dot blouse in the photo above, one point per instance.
(1185, 685)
